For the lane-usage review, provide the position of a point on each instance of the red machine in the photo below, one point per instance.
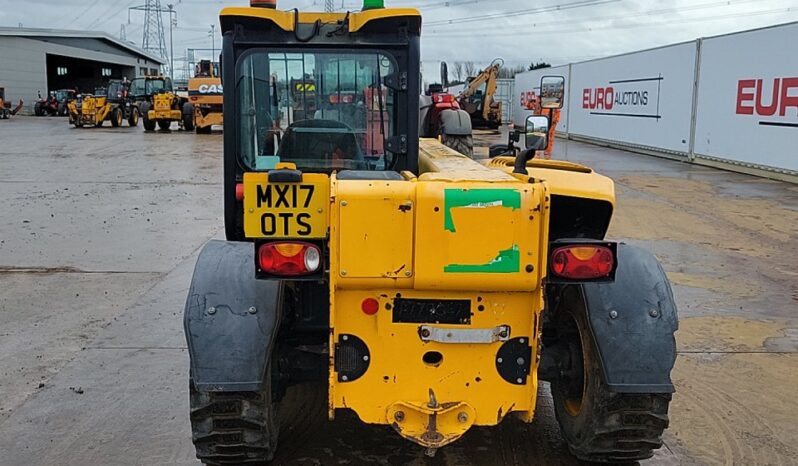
(442, 117)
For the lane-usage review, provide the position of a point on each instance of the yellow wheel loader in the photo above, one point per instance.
(205, 93)
(112, 103)
(431, 293)
(160, 105)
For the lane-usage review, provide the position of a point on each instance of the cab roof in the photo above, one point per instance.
(285, 20)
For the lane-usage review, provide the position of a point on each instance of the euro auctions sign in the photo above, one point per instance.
(633, 98)
(774, 101)
(747, 105)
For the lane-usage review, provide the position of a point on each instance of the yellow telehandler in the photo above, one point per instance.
(432, 293)
(160, 105)
(112, 103)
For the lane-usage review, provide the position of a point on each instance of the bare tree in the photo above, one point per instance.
(510, 72)
(539, 65)
(470, 69)
(458, 71)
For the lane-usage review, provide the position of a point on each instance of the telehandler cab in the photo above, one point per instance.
(160, 104)
(431, 292)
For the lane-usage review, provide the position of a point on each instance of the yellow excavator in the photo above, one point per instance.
(478, 97)
(205, 93)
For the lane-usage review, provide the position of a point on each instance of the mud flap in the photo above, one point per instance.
(456, 122)
(633, 320)
(230, 320)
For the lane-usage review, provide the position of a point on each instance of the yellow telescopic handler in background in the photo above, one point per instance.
(112, 103)
(431, 292)
(160, 104)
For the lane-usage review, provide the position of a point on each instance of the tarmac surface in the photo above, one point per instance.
(100, 232)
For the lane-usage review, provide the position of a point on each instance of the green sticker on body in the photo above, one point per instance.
(507, 261)
(477, 199)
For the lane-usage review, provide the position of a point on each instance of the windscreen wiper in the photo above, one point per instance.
(379, 100)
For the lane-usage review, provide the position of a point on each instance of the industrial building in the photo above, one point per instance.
(34, 61)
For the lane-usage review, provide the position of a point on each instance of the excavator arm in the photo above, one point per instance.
(488, 76)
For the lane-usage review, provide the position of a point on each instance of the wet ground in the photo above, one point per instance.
(99, 235)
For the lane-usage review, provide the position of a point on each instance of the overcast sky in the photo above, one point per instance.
(519, 31)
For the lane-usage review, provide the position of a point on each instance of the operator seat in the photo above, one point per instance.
(319, 139)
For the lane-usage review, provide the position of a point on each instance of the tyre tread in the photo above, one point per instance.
(461, 144)
(612, 427)
(232, 428)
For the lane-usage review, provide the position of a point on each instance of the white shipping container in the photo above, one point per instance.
(642, 99)
(748, 98)
(527, 85)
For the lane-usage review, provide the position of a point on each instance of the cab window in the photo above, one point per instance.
(322, 111)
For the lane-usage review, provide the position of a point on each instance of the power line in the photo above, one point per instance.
(531, 11)
(592, 19)
(633, 26)
(80, 15)
(107, 15)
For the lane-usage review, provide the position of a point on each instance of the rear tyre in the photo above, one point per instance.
(188, 117)
(164, 125)
(149, 125)
(597, 424)
(238, 428)
(38, 110)
(133, 119)
(462, 144)
(116, 117)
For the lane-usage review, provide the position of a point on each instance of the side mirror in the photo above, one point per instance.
(552, 92)
(536, 137)
(536, 134)
(444, 74)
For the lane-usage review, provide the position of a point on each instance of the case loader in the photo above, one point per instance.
(205, 93)
(432, 293)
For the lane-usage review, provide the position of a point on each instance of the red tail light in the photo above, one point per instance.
(582, 262)
(290, 259)
(444, 98)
